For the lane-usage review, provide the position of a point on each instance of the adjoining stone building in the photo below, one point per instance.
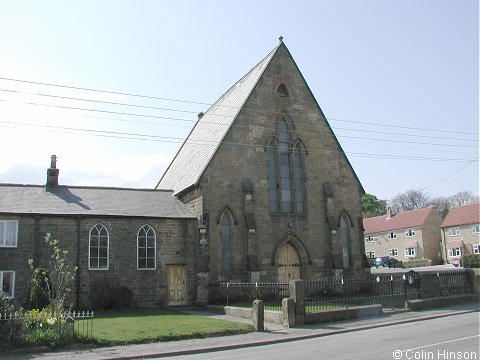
(408, 235)
(274, 193)
(141, 239)
(461, 233)
(261, 190)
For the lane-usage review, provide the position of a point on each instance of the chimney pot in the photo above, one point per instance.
(52, 174)
(389, 213)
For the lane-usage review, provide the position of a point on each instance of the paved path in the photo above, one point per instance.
(275, 334)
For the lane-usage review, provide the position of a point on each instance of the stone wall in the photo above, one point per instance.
(242, 154)
(176, 244)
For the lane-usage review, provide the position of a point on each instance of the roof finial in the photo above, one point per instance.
(281, 39)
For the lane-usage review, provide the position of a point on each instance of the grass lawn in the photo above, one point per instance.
(147, 325)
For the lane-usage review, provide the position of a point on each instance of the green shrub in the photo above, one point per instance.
(417, 263)
(108, 294)
(11, 331)
(471, 261)
(40, 286)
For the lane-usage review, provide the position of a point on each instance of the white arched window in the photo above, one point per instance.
(146, 248)
(98, 247)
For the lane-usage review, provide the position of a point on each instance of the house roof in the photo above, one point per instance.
(403, 220)
(461, 215)
(209, 131)
(91, 201)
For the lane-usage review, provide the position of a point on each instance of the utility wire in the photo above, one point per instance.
(449, 176)
(189, 102)
(213, 122)
(133, 136)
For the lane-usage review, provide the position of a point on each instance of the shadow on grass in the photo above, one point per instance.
(136, 312)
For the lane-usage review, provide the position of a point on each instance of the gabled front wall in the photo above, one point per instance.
(242, 154)
(176, 243)
(469, 238)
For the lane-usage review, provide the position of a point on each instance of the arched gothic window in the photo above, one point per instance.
(146, 246)
(226, 238)
(344, 235)
(285, 171)
(98, 248)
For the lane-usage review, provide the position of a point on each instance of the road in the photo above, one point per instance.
(449, 338)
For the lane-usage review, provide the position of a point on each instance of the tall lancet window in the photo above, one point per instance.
(285, 171)
(344, 235)
(226, 238)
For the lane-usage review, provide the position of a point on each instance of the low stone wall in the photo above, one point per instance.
(421, 304)
(353, 312)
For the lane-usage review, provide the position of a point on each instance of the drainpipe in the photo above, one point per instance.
(36, 241)
(77, 275)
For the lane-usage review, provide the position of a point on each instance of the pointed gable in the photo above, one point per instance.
(462, 215)
(209, 132)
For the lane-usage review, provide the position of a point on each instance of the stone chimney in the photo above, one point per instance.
(389, 213)
(52, 174)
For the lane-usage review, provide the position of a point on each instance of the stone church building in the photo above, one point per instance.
(261, 190)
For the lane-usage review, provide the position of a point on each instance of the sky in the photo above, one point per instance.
(397, 80)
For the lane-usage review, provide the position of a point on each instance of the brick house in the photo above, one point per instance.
(461, 232)
(274, 192)
(261, 190)
(138, 238)
(406, 236)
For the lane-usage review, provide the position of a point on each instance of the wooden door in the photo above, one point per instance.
(288, 263)
(176, 284)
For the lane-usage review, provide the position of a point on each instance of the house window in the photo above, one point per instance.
(7, 280)
(226, 237)
(454, 231)
(371, 254)
(476, 249)
(393, 252)
(455, 252)
(146, 245)
(369, 238)
(410, 233)
(344, 235)
(285, 171)
(392, 235)
(476, 229)
(410, 252)
(8, 233)
(98, 248)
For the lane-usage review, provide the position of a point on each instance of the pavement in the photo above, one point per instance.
(273, 334)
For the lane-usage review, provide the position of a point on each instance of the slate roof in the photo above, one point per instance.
(462, 215)
(209, 131)
(91, 201)
(403, 220)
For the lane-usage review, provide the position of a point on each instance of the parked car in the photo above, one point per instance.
(387, 261)
(456, 262)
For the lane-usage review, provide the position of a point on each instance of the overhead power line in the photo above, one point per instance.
(449, 176)
(147, 137)
(221, 124)
(189, 102)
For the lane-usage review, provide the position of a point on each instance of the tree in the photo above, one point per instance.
(40, 285)
(410, 200)
(371, 206)
(61, 273)
(463, 198)
(443, 204)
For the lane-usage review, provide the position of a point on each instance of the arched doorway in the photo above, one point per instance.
(288, 263)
